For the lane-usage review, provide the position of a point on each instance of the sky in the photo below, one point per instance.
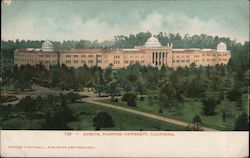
(102, 20)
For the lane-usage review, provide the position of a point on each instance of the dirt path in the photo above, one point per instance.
(157, 117)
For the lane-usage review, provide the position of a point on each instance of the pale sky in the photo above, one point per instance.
(102, 20)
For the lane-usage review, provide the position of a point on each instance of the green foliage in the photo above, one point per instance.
(170, 97)
(242, 123)
(130, 99)
(103, 120)
(59, 117)
(28, 104)
(234, 94)
(72, 97)
(209, 105)
(197, 119)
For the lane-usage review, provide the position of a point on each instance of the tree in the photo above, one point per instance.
(102, 120)
(169, 97)
(197, 121)
(129, 98)
(73, 97)
(28, 104)
(242, 123)
(209, 105)
(234, 94)
(59, 117)
(112, 89)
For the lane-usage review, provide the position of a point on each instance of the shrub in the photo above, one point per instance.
(130, 99)
(209, 105)
(242, 123)
(142, 98)
(102, 120)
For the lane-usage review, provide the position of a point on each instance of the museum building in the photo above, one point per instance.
(151, 53)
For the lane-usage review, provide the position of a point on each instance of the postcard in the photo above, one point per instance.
(124, 78)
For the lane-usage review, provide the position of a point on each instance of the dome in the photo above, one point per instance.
(152, 42)
(47, 46)
(222, 46)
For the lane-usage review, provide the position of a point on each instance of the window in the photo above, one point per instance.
(47, 56)
(75, 61)
(187, 61)
(68, 56)
(183, 61)
(132, 62)
(99, 61)
(90, 61)
(83, 61)
(116, 62)
(116, 57)
(68, 61)
(126, 62)
(75, 56)
(90, 56)
(83, 56)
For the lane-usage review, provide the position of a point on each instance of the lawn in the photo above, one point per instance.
(123, 121)
(191, 107)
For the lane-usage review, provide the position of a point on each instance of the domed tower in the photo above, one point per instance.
(152, 42)
(47, 46)
(221, 47)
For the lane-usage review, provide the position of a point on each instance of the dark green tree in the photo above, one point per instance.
(102, 120)
(209, 105)
(242, 123)
(196, 121)
(130, 99)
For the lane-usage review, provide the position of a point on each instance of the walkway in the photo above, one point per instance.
(153, 116)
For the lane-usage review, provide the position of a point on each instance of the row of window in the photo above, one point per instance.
(133, 57)
(79, 61)
(197, 56)
(187, 61)
(47, 61)
(48, 56)
(134, 61)
(82, 56)
(24, 60)
(24, 55)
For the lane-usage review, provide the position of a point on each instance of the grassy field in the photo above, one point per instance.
(191, 107)
(123, 121)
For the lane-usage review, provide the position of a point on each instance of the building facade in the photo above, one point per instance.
(152, 53)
